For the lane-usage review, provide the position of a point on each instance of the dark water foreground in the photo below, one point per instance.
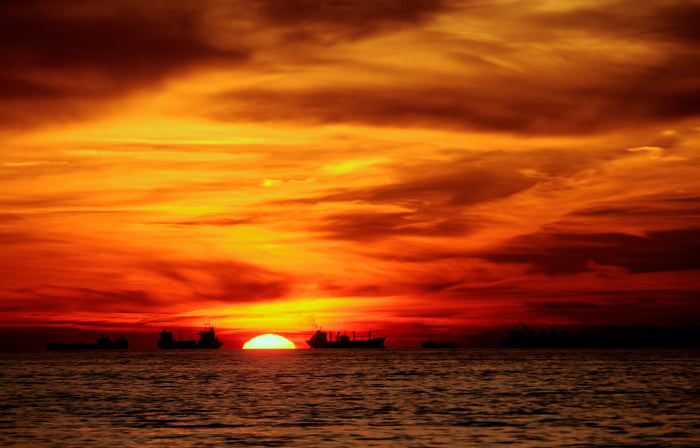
(382, 398)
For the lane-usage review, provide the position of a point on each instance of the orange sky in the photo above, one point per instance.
(420, 168)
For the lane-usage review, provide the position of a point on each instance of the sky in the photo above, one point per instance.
(419, 168)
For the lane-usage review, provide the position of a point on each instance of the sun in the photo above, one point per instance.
(269, 341)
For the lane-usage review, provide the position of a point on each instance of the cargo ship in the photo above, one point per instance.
(103, 343)
(323, 339)
(207, 339)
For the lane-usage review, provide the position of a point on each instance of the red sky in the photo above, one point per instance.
(418, 168)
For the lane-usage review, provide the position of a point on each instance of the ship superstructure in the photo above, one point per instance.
(207, 339)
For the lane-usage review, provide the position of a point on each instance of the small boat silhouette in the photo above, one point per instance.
(103, 343)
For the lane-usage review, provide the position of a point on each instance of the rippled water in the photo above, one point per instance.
(351, 398)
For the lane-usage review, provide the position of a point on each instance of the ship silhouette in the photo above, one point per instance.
(323, 339)
(523, 337)
(207, 339)
(103, 343)
(603, 337)
(433, 344)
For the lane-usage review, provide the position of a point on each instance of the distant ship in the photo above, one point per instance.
(433, 344)
(207, 339)
(323, 339)
(606, 337)
(527, 338)
(103, 343)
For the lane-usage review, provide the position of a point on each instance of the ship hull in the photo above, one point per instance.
(182, 345)
(207, 340)
(371, 343)
(178, 345)
(55, 346)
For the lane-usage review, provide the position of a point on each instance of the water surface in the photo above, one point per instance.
(363, 398)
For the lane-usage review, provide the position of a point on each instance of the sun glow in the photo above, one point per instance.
(269, 341)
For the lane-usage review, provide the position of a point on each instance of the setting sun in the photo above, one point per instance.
(269, 341)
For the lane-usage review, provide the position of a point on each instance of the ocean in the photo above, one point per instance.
(351, 398)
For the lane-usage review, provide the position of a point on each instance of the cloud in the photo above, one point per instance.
(20, 238)
(621, 308)
(331, 21)
(65, 61)
(562, 253)
(654, 21)
(676, 208)
(455, 186)
(435, 185)
(533, 103)
(427, 199)
(223, 281)
(61, 59)
(182, 286)
(533, 72)
(71, 299)
(371, 226)
(70, 60)
(211, 221)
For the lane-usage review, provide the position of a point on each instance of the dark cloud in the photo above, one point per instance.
(63, 60)
(20, 238)
(453, 184)
(652, 21)
(372, 226)
(67, 299)
(365, 226)
(119, 301)
(549, 307)
(219, 222)
(570, 88)
(679, 21)
(436, 201)
(330, 21)
(178, 286)
(651, 210)
(66, 60)
(567, 253)
(622, 308)
(523, 103)
(224, 281)
(58, 56)
(437, 186)
(46, 200)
